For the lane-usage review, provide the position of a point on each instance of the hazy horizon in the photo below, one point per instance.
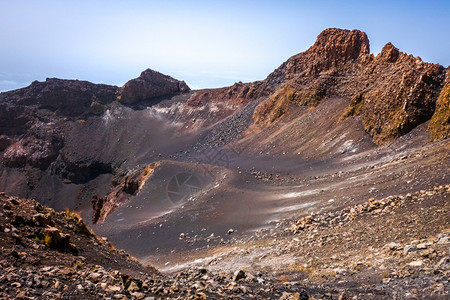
(207, 44)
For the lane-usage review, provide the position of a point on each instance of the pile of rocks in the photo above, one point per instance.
(371, 207)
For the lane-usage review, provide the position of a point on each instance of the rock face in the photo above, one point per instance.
(392, 92)
(66, 97)
(36, 151)
(32, 119)
(439, 127)
(400, 93)
(330, 54)
(128, 185)
(150, 85)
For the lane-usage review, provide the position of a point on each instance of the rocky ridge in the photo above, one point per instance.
(150, 85)
(392, 92)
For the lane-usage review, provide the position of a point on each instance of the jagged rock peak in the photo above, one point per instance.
(334, 50)
(390, 53)
(149, 85)
(65, 96)
(344, 43)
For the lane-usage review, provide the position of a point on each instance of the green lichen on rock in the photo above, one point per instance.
(439, 127)
(354, 107)
(277, 105)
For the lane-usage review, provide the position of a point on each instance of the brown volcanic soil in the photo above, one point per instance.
(320, 180)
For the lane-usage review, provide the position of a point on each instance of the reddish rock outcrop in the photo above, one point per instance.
(67, 97)
(150, 85)
(392, 92)
(123, 189)
(398, 92)
(236, 95)
(439, 127)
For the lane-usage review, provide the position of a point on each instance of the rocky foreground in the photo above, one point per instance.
(381, 249)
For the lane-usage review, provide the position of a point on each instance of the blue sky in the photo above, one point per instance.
(205, 43)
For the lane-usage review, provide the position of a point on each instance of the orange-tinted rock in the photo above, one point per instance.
(392, 93)
(439, 127)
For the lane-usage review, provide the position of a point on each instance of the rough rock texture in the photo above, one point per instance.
(400, 93)
(66, 97)
(36, 151)
(392, 92)
(439, 127)
(32, 119)
(333, 50)
(236, 95)
(5, 142)
(128, 185)
(150, 85)
(53, 255)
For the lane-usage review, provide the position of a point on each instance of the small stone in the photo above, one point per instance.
(138, 295)
(66, 271)
(21, 295)
(182, 235)
(290, 296)
(230, 231)
(422, 246)
(438, 288)
(394, 246)
(239, 275)
(408, 249)
(444, 240)
(443, 262)
(133, 287)
(95, 277)
(113, 288)
(42, 220)
(343, 296)
(427, 253)
(416, 263)
(340, 271)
